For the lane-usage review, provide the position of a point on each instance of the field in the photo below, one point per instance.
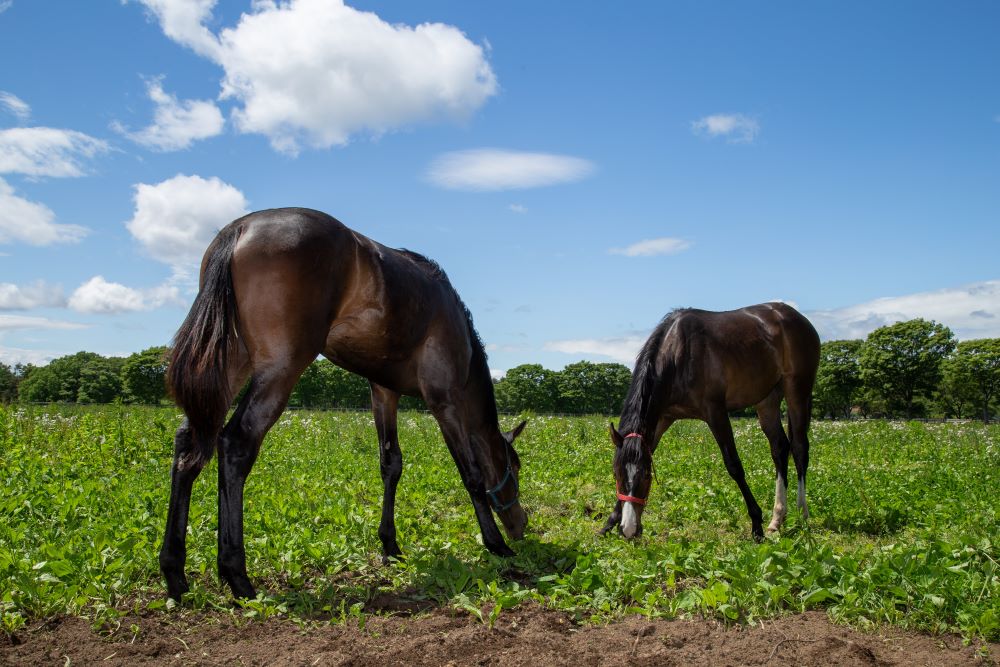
(903, 534)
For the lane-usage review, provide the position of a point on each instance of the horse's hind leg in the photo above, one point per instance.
(722, 429)
(798, 397)
(385, 404)
(270, 386)
(769, 415)
(186, 467)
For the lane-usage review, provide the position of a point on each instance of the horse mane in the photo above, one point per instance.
(479, 368)
(643, 388)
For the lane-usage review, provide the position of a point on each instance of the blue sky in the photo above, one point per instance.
(578, 169)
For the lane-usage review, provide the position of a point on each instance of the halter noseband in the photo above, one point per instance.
(621, 496)
(499, 506)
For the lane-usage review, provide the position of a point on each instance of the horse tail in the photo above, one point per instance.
(197, 375)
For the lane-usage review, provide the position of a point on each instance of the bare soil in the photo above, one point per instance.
(528, 635)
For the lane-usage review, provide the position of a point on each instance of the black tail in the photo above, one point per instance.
(197, 375)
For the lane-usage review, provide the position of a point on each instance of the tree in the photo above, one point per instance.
(100, 380)
(957, 394)
(8, 384)
(528, 387)
(144, 376)
(976, 366)
(325, 385)
(901, 363)
(586, 387)
(838, 378)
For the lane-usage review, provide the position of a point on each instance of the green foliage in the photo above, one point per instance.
(144, 376)
(972, 374)
(904, 524)
(589, 388)
(838, 378)
(8, 384)
(324, 385)
(62, 378)
(528, 387)
(901, 363)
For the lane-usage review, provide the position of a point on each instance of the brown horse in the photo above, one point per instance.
(699, 364)
(280, 287)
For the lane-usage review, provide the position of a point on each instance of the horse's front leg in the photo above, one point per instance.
(722, 429)
(614, 518)
(457, 438)
(385, 404)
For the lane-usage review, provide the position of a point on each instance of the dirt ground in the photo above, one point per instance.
(527, 635)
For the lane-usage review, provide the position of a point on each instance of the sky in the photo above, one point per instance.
(578, 169)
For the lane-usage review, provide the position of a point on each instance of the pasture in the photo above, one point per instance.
(904, 528)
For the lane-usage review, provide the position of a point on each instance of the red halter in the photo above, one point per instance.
(621, 496)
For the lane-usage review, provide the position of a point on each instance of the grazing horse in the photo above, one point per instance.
(280, 287)
(699, 364)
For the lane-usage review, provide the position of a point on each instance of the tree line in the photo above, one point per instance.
(909, 369)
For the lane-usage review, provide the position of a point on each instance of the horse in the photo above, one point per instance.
(277, 289)
(700, 364)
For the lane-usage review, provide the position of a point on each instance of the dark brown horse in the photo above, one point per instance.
(699, 364)
(280, 287)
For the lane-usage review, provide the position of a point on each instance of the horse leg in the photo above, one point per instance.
(718, 421)
(769, 415)
(239, 445)
(456, 436)
(798, 397)
(385, 403)
(185, 470)
(614, 519)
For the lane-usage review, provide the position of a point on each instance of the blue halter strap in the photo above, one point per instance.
(499, 506)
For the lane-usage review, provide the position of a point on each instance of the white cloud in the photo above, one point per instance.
(183, 21)
(316, 72)
(22, 322)
(36, 295)
(15, 355)
(736, 127)
(46, 151)
(623, 349)
(176, 124)
(97, 295)
(517, 208)
(5, 5)
(971, 311)
(14, 104)
(495, 169)
(651, 247)
(30, 222)
(175, 219)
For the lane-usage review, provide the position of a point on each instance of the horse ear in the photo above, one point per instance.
(616, 437)
(509, 436)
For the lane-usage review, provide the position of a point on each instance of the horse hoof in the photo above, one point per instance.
(389, 559)
(501, 550)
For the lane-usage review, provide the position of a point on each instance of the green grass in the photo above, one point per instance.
(903, 529)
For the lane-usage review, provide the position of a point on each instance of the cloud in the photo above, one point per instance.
(737, 128)
(14, 104)
(22, 322)
(183, 21)
(175, 220)
(97, 295)
(176, 124)
(517, 208)
(36, 295)
(651, 247)
(5, 5)
(317, 72)
(15, 355)
(623, 349)
(970, 311)
(46, 151)
(32, 223)
(486, 169)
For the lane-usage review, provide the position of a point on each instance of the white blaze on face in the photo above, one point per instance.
(630, 522)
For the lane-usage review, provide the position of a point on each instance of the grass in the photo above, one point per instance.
(903, 528)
